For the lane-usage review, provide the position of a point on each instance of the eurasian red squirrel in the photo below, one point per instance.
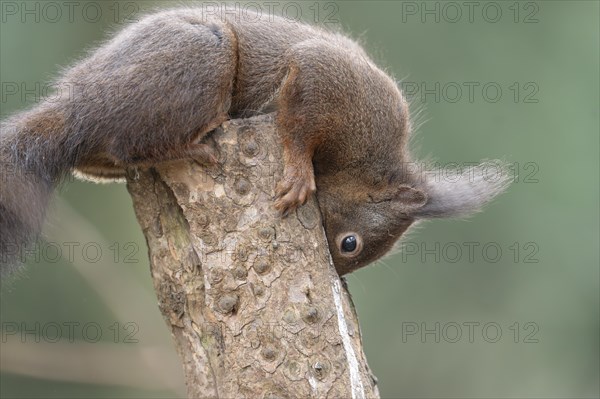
(156, 89)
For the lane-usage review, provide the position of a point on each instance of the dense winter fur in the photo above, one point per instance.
(34, 157)
(154, 91)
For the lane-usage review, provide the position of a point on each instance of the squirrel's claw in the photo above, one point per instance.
(292, 191)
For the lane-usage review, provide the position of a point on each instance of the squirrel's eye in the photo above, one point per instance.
(349, 244)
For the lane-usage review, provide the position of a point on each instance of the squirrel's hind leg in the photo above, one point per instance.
(103, 169)
(174, 97)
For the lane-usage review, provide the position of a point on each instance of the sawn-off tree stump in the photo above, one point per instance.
(253, 301)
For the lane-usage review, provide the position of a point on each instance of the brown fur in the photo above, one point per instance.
(154, 91)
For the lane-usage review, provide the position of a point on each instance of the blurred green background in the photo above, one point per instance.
(524, 300)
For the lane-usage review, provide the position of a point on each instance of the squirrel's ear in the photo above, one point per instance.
(460, 193)
(410, 198)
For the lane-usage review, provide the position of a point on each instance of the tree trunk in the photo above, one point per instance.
(253, 301)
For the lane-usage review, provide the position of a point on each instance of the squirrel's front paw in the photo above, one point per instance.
(294, 189)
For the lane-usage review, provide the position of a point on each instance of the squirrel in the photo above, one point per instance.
(156, 89)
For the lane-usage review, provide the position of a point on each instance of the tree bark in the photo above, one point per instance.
(253, 301)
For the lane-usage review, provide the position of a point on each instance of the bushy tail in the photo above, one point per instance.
(33, 159)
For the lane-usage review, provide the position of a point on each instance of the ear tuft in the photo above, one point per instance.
(458, 193)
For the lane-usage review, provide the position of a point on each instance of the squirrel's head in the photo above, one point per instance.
(366, 225)
(363, 225)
